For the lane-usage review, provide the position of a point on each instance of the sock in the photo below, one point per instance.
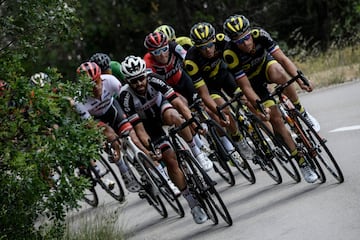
(300, 159)
(298, 106)
(122, 166)
(237, 136)
(162, 171)
(189, 198)
(194, 148)
(227, 144)
(198, 141)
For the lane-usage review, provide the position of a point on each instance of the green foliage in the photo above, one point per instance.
(40, 131)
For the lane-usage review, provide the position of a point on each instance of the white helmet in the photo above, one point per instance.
(133, 67)
(39, 79)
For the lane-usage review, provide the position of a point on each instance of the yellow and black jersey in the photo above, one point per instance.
(241, 63)
(201, 68)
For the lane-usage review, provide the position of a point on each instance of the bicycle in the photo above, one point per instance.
(98, 172)
(198, 181)
(148, 176)
(266, 146)
(309, 142)
(220, 156)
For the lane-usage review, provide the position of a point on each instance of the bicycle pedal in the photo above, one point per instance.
(142, 194)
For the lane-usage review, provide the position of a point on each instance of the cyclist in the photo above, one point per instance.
(103, 106)
(166, 58)
(150, 103)
(211, 77)
(256, 61)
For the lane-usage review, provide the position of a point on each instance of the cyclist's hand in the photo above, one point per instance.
(264, 116)
(226, 122)
(305, 87)
(157, 155)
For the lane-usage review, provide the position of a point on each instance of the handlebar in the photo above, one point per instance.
(174, 130)
(280, 88)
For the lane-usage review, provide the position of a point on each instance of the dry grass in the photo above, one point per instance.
(333, 67)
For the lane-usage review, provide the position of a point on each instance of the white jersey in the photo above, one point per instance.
(95, 107)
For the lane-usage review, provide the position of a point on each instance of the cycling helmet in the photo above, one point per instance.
(102, 60)
(202, 33)
(116, 70)
(39, 79)
(3, 85)
(167, 30)
(236, 25)
(133, 67)
(155, 40)
(91, 69)
(185, 42)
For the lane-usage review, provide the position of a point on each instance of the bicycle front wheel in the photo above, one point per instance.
(206, 191)
(319, 150)
(108, 180)
(162, 184)
(233, 157)
(274, 148)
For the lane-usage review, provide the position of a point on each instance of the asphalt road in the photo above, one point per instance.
(264, 210)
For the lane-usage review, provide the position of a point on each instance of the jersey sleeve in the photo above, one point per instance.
(126, 102)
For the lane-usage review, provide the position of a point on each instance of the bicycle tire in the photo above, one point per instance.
(117, 192)
(192, 182)
(206, 191)
(147, 191)
(321, 152)
(302, 142)
(162, 184)
(91, 197)
(90, 194)
(219, 154)
(245, 168)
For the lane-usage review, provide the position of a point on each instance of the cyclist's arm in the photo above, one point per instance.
(289, 67)
(181, 107)
(143, 137)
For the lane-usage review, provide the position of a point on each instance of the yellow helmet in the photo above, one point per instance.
(184, 41)
(167, 30)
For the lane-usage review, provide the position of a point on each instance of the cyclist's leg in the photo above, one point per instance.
(170, 117)
(276, 74)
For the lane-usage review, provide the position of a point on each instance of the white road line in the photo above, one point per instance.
(348, 128)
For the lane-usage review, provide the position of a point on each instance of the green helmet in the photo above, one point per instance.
(116, 70)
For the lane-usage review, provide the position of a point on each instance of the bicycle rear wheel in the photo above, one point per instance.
(108, 180)
(206, 192)
(162, 184)
(319, 151)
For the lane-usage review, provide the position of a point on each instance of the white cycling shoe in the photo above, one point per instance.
(199, 215)
(204, 161)
(310, 119)
(174, 188)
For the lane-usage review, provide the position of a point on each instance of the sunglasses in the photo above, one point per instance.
(157, 52)
(206, 46)
(243, 39)
(134, 81)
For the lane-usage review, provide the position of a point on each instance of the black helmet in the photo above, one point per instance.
(236, 25)
(202, 33)
(102, 60)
